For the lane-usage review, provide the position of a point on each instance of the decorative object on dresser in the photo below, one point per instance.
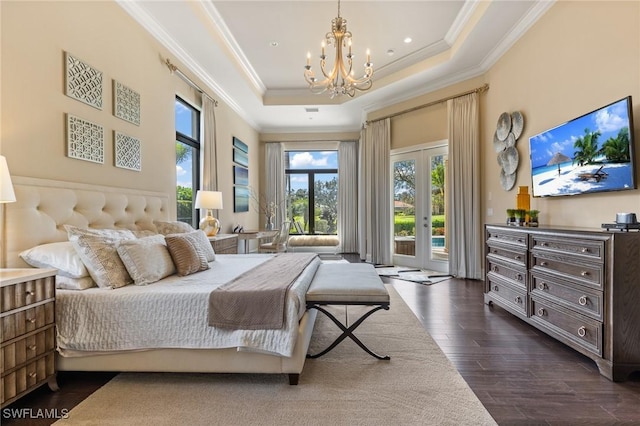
(28, 331)
(209, 200)
(225, 243)
(579, 286)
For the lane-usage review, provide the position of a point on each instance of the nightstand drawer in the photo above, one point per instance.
(22, 350)
(24, 378)
(27, 320)
(25, 293)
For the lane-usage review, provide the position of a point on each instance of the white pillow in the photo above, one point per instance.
(147, 259)
(61, 256)
(66, 283)
(74, 232)
(101, 258)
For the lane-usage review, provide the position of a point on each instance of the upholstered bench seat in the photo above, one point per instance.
(347, 284)
(319, 243)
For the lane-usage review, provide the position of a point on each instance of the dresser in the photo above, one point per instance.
(27, 314)
(225, 243)
(580, 286)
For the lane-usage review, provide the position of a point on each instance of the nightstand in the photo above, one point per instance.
(27, 314)
(225, 243)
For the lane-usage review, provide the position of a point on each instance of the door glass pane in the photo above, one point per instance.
(404, 212)
(438, 243)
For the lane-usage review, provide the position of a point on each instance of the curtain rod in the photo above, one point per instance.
(175, 70)
(439, 101)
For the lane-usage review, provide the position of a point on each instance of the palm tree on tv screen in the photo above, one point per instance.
(617, 149)
(586, 148)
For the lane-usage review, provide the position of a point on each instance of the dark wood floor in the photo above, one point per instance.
(522, 376)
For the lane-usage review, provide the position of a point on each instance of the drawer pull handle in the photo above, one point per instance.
(519, 277)
(543, 263)
(495, 288)
(518, 299)
(32, 374)
(543, 244)
(520, 240)
(494, 251)
(582, 300)
(32, 348)
(585, 273)
(495, 269)
(582, 331)
(542, 286)
(541, 312)
(31, 320)
(585, 249)
(31, 293)
(517, 257)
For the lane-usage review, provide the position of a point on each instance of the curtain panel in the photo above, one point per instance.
(348, 196)
(375, 196)
(274, 191)
(463, 221)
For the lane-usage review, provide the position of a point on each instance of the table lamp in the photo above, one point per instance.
(6, 187)
(209, 200)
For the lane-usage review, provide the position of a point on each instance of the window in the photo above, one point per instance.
(187, 160)
(312, 190)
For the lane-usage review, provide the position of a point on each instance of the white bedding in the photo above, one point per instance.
(171, 313)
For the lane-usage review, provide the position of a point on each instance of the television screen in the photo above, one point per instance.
(591, 153)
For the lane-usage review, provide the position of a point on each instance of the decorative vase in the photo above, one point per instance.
(269, 225)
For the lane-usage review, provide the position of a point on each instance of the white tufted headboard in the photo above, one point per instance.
(43, 206)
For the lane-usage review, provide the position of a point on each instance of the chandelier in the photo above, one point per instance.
(340, 79)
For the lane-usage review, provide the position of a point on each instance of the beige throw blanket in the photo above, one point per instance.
(255, 300)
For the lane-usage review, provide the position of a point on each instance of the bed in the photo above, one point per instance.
(39, 216)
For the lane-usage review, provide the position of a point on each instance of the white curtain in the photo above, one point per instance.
(348, 196)
(275, 180)
(375, 194)
(209, 165)
(463, 219)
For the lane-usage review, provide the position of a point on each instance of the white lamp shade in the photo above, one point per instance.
(209, 200)
(6, 187)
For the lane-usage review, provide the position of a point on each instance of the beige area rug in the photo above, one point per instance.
(418, 386)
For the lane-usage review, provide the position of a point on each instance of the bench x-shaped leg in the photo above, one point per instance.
(347, 331)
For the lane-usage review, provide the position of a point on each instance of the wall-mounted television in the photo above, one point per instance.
(591, 153)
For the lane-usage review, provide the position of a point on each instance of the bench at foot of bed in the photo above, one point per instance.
(347, 284)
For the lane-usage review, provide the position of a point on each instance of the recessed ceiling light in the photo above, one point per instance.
(408, 40)
(390, 52)
(311, 109)
(273, 44)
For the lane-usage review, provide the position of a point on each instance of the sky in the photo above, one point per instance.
(609, 120)
(183, 125)
(311, 160)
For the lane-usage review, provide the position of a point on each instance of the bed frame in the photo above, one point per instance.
(44, 206)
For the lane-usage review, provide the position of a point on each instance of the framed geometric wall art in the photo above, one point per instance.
(85, 140)
(126, 103)
(127, 151)
(82, 81)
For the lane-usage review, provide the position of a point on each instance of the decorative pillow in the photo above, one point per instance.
(200, 240)
(172, 227)
(186, 254)
(144, 233)
(101, 258)
(67, 283)
(61, 256)
(147, 259)
(74, 232)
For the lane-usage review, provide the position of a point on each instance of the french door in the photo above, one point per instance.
(419, 208)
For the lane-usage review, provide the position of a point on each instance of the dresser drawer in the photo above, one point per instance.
(27, 320)
(24, 378)
(591, 274)
(515, 274)
(571, 327)
(25, 293)
(24, 349)
(512, 254)
(575, 297)
(512, 298)
(588, 250)
(507, 236)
